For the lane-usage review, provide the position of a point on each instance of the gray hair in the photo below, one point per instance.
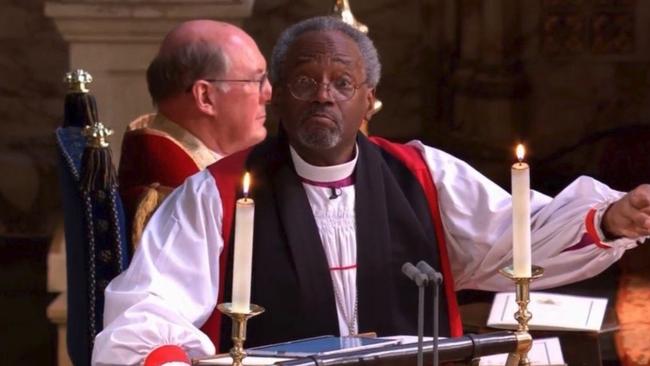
(173, 72)
(325, 23)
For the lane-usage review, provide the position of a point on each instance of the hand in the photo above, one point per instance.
(629, 216)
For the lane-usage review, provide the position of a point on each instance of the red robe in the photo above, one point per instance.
(150, 155)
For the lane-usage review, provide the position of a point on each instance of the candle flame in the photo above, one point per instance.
(247, 183)
(521, 152)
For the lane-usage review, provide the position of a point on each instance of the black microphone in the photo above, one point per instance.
(335, 192)
(435, 279)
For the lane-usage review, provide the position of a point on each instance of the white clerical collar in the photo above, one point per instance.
(323, 174)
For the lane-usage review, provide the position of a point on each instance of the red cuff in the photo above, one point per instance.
(164, 354)
(590, 225)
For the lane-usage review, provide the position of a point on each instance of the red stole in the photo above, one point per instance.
(412, 159)
(228, 174)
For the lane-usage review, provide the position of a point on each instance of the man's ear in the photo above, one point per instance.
(370, 99)
(204, 97)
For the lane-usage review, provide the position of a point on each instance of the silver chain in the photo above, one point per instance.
(349, 321)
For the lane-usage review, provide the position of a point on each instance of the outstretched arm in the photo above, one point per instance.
(477, 220)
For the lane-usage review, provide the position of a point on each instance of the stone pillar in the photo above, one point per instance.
(488, 83)
(116, 40)
(499, 82)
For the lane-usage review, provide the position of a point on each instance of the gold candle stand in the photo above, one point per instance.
(523, 316)
(239, 329)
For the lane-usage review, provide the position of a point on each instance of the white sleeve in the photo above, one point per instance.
(477, 217)
(170, 288)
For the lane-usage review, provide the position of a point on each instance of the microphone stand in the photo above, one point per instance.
(436, 323)
(435, 279)
(421, 281)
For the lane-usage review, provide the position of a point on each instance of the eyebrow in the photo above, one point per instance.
(343, 59)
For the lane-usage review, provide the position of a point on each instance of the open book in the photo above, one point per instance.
(550, 312)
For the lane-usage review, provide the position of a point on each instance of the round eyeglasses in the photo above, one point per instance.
(306, 89)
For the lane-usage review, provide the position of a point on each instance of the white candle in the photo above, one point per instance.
(521, 257)
(241, 278)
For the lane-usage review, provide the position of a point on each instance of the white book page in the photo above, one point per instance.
(550, 312)
(545, 351)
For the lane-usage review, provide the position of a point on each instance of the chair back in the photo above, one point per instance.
(95, 235)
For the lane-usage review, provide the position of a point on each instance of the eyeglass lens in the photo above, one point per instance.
(306, 88)
(263, 81)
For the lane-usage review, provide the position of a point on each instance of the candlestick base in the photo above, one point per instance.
(239, 321)
(523, 316)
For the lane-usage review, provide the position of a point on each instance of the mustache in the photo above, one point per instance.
(321, 112)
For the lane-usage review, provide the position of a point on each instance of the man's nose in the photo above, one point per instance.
(323, 93)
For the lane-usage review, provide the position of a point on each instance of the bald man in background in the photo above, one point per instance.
(209, 85)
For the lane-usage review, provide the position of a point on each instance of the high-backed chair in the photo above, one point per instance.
(95, 236)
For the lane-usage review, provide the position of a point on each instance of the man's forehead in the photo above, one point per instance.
(329, 45)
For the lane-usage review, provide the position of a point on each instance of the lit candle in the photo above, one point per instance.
(241, 278)
(521, 216)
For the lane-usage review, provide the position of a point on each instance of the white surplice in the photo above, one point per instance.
(171, 287)
(336, 224)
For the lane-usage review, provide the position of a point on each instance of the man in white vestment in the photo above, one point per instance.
(336, 215)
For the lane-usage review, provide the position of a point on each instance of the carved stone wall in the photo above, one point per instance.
(564, 76)
(32, 62)
(588, 64)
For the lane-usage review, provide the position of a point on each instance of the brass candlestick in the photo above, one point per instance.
(523, 316)
(239, 329)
